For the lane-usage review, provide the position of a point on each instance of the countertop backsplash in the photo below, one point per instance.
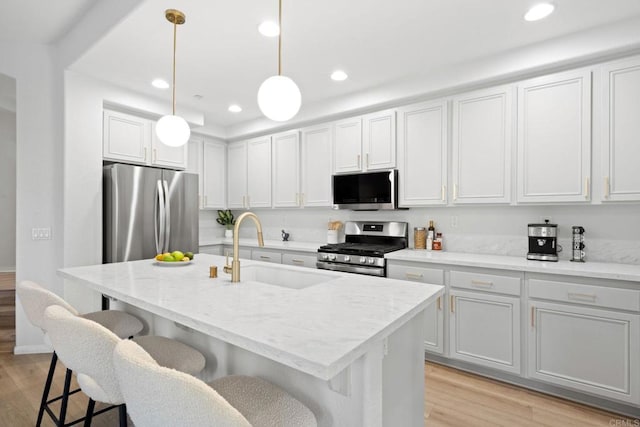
(612, 231)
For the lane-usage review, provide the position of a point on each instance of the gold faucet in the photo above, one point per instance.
(234, 268)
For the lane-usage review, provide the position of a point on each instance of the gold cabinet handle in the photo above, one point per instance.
(533, 310)
(607, 188)
(587, 189)
(443, 192)
(483, 283)
(298, 261)
(451, 307)
(413, 275)
(455, 191)
(367, 158)
(264, 257)
(145, 153)
(581, 297)
(155, 155)
(439, 304)
(301, 199)
(359, 161)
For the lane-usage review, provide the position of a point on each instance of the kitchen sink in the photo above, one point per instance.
(283, 277)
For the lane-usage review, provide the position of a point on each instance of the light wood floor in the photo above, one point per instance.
(453, 398)
(7, 312)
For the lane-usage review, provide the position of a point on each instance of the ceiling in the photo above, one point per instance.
(222, 57)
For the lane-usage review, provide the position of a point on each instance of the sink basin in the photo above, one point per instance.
(284, 277)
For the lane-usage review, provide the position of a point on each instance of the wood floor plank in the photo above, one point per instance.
(7, 280)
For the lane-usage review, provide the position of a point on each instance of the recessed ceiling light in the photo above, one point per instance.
(539, 11)
(269, 29)
(234, 108)
(160, 84)
(339, 75)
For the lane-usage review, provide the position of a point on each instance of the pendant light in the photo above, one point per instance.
(279, 97)
(173, 130)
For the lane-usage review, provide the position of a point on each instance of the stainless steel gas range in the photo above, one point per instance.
(366, 243)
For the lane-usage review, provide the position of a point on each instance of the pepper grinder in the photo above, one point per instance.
(577, 253)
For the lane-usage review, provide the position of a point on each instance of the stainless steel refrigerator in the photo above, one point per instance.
(147, 211)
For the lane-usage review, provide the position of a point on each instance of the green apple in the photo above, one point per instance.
(177, 255)
(168, 258)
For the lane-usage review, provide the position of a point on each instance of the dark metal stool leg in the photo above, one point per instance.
(89, 415)
(65, 396)
(122, 411)
(47, 387)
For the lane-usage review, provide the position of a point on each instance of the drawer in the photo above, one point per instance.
(301, 260)
(486, 282)
(416, 274)
(266, 256)
(211, 249)
(597, 296)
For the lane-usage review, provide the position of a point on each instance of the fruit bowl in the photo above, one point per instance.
(171, 263)
(174, 258)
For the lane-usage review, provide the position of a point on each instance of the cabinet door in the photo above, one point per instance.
(301, 260)
(379, 140)
(348, 145)
(485, 329)
(316, 166)
(621, 130)
(126, 138)
(214, 173)
(259, 173)
(587, 349)
(422, 154)
(554, 138)
(481, 149)
(165, 156)
(237, 175)
(194, 164)
(286, 170)
(266, 256)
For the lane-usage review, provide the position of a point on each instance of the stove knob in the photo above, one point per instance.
(363, 259)
(370, 260)
(332, 257)
(323, 256)
(347, 258)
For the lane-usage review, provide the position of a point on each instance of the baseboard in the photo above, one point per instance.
(7, 269)
(32, 349)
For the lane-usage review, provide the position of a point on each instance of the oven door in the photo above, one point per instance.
(349, 268)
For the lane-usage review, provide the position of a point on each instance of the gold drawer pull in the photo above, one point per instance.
(533, 310)
(413, 275)
(298, 261)
(481, 283)
(439, 304)
(581, 297)
(264, 257)
(451, 307)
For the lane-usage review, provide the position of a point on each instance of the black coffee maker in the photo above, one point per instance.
(543, 242)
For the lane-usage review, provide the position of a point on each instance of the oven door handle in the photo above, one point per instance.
(347, 268)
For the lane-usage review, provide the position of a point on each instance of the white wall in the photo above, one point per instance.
(612, 232)
(7, 190)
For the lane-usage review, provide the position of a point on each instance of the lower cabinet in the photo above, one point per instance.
(485, 329)
(243, 253)
(266, 255)
(434, 313)
(299, 259)
(211, 249)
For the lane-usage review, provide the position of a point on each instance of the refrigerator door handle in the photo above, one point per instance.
(158, 217)
(167, 215)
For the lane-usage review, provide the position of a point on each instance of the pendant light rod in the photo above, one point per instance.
(176, 18)
(280, 37)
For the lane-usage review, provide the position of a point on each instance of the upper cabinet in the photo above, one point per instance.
(286, 170)
(249, 174)
(422, 154)
(481, 146)
(365, 143)
(620, 114)
(208, 159)
(131, 139)
(554, 138)
(315, 166)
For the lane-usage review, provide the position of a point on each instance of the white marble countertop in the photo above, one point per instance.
(268, 244)
(320, 330)
(598, 270)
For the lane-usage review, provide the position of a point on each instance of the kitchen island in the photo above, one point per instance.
(348, 346)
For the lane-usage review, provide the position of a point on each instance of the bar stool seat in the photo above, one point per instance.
(172, 354)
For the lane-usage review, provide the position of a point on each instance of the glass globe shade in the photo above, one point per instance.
(173, 130)
(279, 98)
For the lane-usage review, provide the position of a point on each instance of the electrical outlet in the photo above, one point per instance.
(41, 233)
(454, 221)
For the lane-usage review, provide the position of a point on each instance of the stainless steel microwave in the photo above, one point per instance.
(366, 191)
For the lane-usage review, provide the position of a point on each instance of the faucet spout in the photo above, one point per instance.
(234, 268)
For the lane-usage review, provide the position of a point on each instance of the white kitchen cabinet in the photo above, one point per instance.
(434, 313)
(422, 154)
(585, 337)
(554, 138)
(208, 159)
(379, 140)
(484, 319)
(348, 145)
(286, 170)
(214, 173)
(481, 146)
(620, 130)
(132, 139)
(316, 165)
(243, 253)
(249, 174)
(365, 143)
(299, 259)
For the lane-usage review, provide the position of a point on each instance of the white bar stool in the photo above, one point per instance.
(180, 400)
(35, 299)
(87, 348)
